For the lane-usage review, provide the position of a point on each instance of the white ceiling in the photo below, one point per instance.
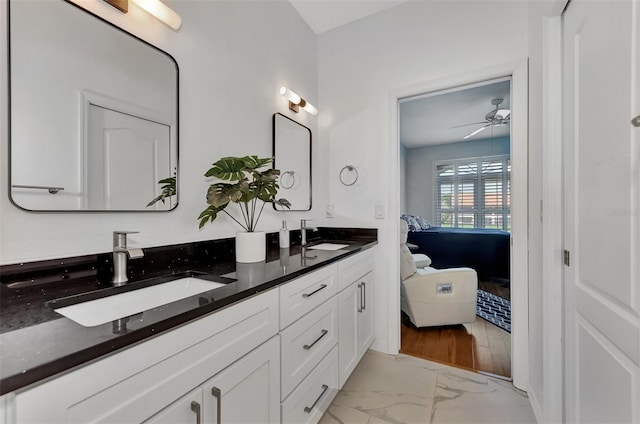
(428, 120)
(324, 15)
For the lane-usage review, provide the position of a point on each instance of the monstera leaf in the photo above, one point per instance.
(167, 190)
(227, 169)
(246, 185)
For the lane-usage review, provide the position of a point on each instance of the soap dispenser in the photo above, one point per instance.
(284, 235)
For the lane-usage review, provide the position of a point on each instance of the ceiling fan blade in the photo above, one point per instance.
(466, 125)
(475, 132)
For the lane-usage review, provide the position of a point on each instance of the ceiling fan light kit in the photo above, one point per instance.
(496, 117)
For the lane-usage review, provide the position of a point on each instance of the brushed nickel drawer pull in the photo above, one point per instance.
(636, 121)
(195, 407)
(218, 395)
(323, 286)
(323, 333)
(360, 303)
(364, 296)
(308, 409)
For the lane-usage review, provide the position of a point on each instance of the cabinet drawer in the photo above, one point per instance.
(310, 399)
(305, 342)
(354, 267)
(299, 296)
(134, 384)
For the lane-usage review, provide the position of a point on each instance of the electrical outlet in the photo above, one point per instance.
(330, 211)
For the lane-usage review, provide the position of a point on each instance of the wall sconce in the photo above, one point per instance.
(155, 7)
(296, 102)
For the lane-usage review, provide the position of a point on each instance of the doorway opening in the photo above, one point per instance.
(455, 196)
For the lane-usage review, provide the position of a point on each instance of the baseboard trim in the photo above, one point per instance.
(535, 404)
(492, 375)
(381, 347)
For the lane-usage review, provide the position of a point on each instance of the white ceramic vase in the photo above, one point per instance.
(251, 246)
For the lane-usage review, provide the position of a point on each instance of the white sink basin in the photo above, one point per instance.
(328, 246)
(106, 309)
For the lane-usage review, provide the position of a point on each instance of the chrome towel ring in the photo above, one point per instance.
(289, 181)
(349, 175)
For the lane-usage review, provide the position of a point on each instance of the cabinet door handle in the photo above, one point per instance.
(364, 296)
(308, 409)
(323, 333)
(323, 286)
(195, 407)
(360, 294)
(218, 395)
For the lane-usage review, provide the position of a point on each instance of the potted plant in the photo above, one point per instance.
(246, 185)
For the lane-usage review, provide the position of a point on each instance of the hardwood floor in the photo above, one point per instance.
(483, 348)
(496, 287)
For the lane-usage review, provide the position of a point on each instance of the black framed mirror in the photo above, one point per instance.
(292, 153)
(93, 113)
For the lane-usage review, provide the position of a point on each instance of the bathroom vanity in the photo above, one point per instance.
(274, 344)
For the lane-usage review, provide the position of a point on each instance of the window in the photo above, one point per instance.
(474, 193)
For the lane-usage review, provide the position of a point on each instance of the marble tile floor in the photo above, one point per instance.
(403, 389)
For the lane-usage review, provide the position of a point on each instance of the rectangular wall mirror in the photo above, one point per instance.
(292, 153)
(93, 113)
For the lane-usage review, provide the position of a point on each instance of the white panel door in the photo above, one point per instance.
(602, 215)
(126, 157)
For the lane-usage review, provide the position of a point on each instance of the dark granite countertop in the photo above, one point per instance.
(36, 342)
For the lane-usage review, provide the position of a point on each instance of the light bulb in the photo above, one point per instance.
(161, 11)
(293, 97)
(310, 109)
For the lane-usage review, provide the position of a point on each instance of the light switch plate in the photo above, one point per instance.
(330, 211)
(379, 211)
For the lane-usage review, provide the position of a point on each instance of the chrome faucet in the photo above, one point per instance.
(121, 253)
(303, 231)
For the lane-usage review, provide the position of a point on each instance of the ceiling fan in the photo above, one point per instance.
(495, 117)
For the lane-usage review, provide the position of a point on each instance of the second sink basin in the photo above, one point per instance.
(110, 308)
(328, 246)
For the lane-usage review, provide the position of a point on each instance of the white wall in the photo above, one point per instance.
(420, 169)
(361, 66)
(233, 57)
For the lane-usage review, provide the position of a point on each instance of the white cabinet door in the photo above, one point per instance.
(3, 409)
(355, 315)
(186, 410)
(602, 215)
(248, 391)
(365, 314)
(348, 305)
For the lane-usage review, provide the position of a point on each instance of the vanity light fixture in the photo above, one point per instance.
(121, 5)
(161, 11)
(296, 102)
(153, 7)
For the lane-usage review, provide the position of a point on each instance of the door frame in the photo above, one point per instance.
(551, 408)
(518, 71)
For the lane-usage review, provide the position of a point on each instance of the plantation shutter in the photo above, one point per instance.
(473, 193)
